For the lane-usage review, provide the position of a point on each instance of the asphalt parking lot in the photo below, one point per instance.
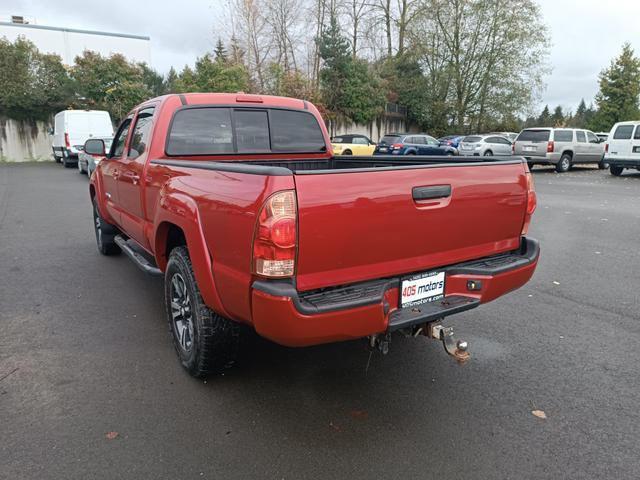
(84, 351)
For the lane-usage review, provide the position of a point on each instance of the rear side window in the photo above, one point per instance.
(295, 132)
(214, 130)
(338, 140)
(472, 139)
(636, 136)
(581, 137)
(534, 136)
(252, 131)
(565, 135)
(623, 132)
(360, 141)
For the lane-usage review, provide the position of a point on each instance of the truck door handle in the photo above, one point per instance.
(431, 192)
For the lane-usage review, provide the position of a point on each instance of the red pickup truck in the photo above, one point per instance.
(238, 201)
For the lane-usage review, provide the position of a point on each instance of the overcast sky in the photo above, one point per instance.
(585, 34)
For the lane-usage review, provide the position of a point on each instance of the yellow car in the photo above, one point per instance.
(352, 145)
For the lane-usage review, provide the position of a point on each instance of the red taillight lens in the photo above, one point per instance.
(513, 149)
(550, 147)
(66, 140)
(274, 245)
(606, 148)
(532, 203)
(397, 146)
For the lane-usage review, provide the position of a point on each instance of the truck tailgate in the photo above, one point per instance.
(359, 225)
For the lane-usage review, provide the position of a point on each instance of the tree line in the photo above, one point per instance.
(456, 65)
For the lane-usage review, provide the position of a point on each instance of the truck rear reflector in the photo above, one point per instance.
(532, 203)
(275, 241)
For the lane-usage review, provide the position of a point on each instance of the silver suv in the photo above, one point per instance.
(562, 147)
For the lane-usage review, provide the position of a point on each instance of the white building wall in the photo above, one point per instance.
(69, 43)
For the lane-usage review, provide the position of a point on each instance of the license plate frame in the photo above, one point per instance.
(422, 288)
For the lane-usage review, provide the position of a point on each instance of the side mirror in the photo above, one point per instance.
(94, 146)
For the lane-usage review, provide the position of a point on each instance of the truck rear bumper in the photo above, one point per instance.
(296, 319)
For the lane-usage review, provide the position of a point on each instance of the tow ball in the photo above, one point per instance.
(458, 349)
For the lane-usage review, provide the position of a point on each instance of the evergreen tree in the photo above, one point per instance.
(557, 119)
(578, 120)
(348, 85)
(220, 51)
(619, 95)
(544, 120)
(170, 81)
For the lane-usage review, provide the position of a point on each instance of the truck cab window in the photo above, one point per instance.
(117, 148)
(140, 137)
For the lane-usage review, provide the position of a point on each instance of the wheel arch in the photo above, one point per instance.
(178, 223)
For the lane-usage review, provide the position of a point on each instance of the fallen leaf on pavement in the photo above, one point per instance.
(111, 435)
(359, 414)
(539, 414)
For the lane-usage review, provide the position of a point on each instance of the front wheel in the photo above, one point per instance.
(347, 152)
(205, 342)
(615, 170)
(564, 164)
(488, 153)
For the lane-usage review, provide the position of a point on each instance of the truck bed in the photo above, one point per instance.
(349, 162)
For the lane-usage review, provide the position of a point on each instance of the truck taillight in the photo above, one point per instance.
(606, 148)
(550, 147)
(66, 140)
(275, 240)
(532, 203)
(513, 149)
(397, 146)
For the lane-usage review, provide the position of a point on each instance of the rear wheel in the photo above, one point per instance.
(616, 171)
(564, 164)
(105, 233)
(205, 342)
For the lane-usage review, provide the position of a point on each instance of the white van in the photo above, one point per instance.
(622, 149)
(74, 127)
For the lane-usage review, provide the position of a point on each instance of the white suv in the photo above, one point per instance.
(622, 149)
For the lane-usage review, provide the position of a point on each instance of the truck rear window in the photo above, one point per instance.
(214, 131)
(533, 136)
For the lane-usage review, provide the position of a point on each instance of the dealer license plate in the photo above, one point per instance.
(422, 288)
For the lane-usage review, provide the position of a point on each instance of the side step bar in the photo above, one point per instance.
(134, 252)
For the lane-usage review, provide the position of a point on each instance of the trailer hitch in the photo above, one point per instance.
(458, 349)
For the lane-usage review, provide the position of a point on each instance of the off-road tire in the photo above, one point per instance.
(215, 339)
(105, 233)
(564, 164)
(615, 170)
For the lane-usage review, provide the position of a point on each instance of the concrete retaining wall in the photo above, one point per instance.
(25, 141)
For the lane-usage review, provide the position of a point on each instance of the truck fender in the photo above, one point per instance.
(179, 210)
(96, 191)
